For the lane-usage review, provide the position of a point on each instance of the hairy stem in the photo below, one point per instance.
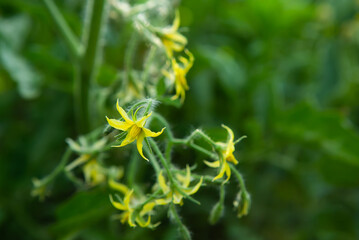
(88, 65)
(71, 40)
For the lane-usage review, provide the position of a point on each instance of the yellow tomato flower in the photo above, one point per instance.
(129, 207)
(39, 189)
(94, 173)
(226, 155)
(135, 129)
(178, 75)
(171, 39)
(242, 203)
(174, 195)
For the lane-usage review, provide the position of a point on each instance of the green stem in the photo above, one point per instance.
(221, 194)
(88, 65)
(183, 229)
(163, 160)
(195, 146)
(153, 161)
(133, 166)
(239, 177)
(203, 135)
(172, 180)
(60, 167)
(70, 38)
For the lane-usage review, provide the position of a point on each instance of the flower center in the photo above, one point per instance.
(134, 131)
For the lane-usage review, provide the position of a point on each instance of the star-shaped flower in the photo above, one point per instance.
(135, 129)
(171, 39)
(178, 74)
(174, 195)
(226, 155)
(130, 206)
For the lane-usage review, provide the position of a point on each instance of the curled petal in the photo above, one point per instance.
(231, 158)
(228, 171)
(130, 220)
(117, 205)
(221, 172)
(162, 182)
(163, 201)
(149, 133)
(141, 122)
(212, 164)
(191, 60)
(176, 22)
(147, 208)
(142, 223)
(140, 139)
(123, 126)
(127, 199)
(195, 188)
(118, 186)
(230, 133)
(123, 114)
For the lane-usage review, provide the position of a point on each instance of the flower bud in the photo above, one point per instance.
(216, 213)
(242, 203)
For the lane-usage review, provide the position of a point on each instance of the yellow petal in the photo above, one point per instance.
(124, 217)
(147, 208)
(130, 221)
(162, 182)
(140, 139)
(195, 188)
(187, 179)
(212, 164)
(230, 133)
(231, 158)
(228, 171)
(123, 126)
(117, 205)
(129, 139)
(177, 198)
(176, 21)
(123, 114)
(140, 221)
(149, 133)
(163, 201)
(221, 172)
(191, 60)
(141, 122)
(127, 199)
(118, 186)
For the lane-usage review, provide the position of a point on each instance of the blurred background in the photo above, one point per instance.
(284, 73)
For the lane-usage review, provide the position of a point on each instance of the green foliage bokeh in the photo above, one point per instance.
(284, 73)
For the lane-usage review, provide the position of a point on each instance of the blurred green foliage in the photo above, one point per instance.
(284, 73)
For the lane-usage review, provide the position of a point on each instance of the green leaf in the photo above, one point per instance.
(332, 132)
(20, 71)
(21, 24)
